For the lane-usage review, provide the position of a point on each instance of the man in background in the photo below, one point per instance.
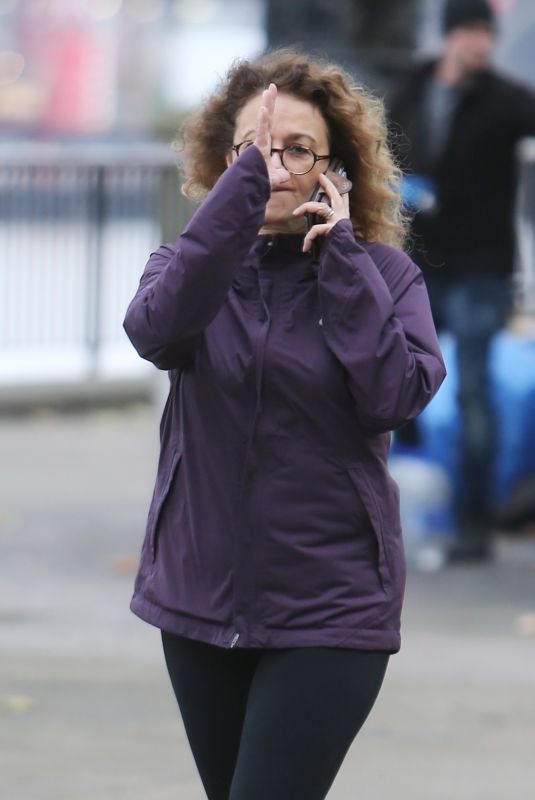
(455, 126)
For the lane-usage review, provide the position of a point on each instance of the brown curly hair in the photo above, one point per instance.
(355, 122)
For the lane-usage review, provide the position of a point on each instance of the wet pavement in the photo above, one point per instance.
(86, 710)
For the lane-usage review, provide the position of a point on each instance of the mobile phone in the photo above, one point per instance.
(336, 171)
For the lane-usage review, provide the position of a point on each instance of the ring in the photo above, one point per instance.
(330, 213)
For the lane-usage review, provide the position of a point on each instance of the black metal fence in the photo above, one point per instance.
(76, 226)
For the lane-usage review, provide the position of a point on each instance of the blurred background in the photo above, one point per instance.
(91, 96)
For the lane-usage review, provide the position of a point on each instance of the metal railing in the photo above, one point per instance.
(76, 226)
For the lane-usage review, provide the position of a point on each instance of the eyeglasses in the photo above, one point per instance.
(296, 158)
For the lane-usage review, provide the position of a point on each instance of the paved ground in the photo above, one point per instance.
(85, 706)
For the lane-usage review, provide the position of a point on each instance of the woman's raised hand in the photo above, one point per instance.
(264, 121)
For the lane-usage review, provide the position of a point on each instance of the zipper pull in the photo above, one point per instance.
(234, 641)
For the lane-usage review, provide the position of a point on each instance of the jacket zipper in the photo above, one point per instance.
(259, 369)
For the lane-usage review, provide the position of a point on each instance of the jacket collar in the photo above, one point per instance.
(278, 243)
(279, 257)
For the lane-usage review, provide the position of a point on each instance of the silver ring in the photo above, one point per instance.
(330, 213)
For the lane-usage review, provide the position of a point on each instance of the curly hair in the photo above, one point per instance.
(355, 122)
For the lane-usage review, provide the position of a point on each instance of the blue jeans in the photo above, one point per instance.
(472, 309)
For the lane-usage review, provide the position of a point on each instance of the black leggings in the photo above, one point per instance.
(271, 724)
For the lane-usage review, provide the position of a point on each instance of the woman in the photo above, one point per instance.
(273, 560)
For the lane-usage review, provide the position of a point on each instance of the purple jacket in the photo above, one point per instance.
(274, 521)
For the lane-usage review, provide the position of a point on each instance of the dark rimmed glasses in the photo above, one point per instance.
(296, 158)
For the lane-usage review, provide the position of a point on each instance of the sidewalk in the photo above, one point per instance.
(86, 710)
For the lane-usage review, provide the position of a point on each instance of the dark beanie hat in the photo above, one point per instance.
(459, 13)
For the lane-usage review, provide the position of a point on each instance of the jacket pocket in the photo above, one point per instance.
(370, 502)
(159, 501)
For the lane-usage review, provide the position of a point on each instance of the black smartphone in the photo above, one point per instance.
(336, 171)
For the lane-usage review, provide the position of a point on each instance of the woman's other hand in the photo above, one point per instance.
(338, 209)
(264, 121)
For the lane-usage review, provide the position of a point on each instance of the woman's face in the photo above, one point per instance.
(294, 121)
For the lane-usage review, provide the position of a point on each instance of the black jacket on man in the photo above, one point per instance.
(471, 230)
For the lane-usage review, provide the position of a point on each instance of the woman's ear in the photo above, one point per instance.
(229, 159)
